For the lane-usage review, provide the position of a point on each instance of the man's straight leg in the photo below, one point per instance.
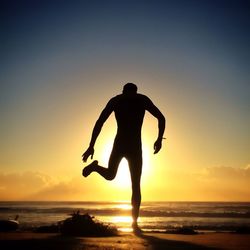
(135, 166)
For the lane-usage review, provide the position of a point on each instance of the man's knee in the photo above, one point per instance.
(136, 189)
(110, 176)
(136, 181)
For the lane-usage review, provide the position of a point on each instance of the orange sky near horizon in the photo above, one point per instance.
(48, 165)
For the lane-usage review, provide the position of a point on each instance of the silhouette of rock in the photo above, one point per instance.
(9, 225)
(86, 225)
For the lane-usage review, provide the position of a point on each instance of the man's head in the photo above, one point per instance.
(129, 88)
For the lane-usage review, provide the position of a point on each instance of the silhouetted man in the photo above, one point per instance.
(129, 108)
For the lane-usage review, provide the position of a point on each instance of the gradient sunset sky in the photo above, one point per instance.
(61, 61)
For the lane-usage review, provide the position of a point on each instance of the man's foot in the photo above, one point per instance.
(89, 169)
(136, 228)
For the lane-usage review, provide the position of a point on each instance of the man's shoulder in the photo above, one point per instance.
(138, 97)
(144, 98)
(115, 99)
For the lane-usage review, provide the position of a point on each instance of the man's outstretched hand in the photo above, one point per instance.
(157, 146)
(89, 152)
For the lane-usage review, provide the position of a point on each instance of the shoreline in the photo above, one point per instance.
(215, 216)
(207, 241)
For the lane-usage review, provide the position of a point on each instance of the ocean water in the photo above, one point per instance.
(215, 216)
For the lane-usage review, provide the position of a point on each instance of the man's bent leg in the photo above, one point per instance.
(89, 169)
(107, 173)
(135, 166)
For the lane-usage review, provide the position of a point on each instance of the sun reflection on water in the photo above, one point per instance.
(125, 220)
(122, 219)
(124, 206)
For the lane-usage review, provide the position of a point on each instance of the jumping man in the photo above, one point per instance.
(129, 108)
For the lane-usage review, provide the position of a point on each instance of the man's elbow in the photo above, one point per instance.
(162, 119)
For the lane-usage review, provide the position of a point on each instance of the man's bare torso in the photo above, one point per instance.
(129, 112)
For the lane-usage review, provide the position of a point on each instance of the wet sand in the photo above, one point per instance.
(48, 241)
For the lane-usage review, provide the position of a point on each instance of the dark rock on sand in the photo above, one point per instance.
(86, 225)
(9, 225)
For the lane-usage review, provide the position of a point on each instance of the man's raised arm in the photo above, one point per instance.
(96, 131)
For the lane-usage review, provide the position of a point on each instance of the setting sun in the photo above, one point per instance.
(122, 179)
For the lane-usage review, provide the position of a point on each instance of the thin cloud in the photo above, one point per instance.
(219, 183)
(18, 184)
(31, 185)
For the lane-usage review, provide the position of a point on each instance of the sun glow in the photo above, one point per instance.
(122, 179)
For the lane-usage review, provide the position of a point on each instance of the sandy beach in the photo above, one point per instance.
(39, 241)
